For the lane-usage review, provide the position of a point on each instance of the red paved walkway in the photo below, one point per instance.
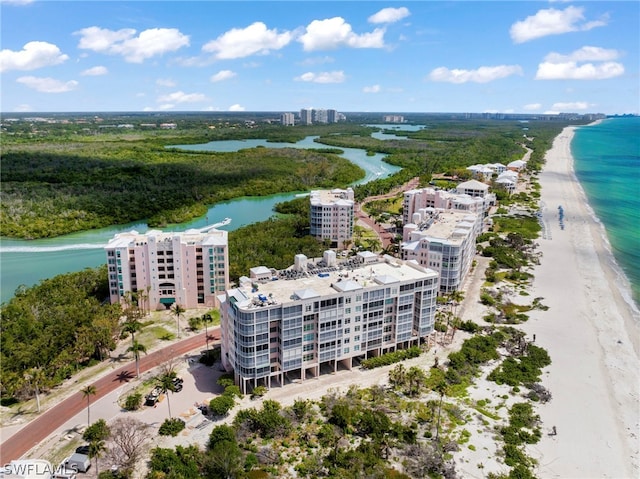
(41, 427)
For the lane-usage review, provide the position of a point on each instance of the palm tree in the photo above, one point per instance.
(398, 376)
(177, 311)
(456, 298)
(166, 383)
(415, 377)
(35, 376)
(132, 326)
(441, 388)
(136, 348)
(87, 392)
(96, 448)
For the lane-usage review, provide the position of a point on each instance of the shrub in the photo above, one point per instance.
(258, 392)
(133, 402)
(390, 358)
(171, 427)
(232, 390)
(221, 405)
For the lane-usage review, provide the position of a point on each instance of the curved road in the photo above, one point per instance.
(41, 427)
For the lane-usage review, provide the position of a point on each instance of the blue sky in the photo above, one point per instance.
(414, 56)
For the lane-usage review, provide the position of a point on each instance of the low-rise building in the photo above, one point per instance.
(190, 268)
(315, 316)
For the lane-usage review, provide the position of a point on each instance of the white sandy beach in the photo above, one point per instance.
(591, 334)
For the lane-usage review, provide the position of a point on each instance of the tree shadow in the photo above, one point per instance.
(119, 358)
(124, 376)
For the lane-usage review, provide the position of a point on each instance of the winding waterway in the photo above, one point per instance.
(27, 262)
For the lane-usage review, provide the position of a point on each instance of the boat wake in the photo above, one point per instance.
(49, 249)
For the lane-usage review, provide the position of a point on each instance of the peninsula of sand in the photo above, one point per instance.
(591, 333)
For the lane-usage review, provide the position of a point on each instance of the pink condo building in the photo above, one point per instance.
(189, 268)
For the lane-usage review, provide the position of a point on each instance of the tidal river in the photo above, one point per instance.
(26, 262)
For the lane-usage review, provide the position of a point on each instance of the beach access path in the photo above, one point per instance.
(591, 333)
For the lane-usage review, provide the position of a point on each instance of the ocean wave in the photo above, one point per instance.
(49, 249)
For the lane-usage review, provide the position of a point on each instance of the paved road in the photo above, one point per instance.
(40, 428)
(386, 237)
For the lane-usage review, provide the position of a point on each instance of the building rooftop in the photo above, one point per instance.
(212, 237)
(335, 196)
(289, 285)
(445, 225)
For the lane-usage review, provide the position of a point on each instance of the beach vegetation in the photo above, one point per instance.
(171, 427)
(60, 326)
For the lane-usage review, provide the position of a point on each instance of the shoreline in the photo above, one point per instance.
(591, 333)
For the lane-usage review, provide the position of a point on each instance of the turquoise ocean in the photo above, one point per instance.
(607, 165)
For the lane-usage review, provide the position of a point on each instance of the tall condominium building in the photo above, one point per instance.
(306, 116)
(393, 119)
(332, 116)
(332, 215)
(189, 268)
(294, 324)
(320, 116)
(416, 200)
(444, 240)
(287, 119)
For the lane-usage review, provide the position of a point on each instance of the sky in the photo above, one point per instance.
(360, 56)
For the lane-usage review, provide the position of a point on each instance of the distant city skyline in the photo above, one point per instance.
(441, 56)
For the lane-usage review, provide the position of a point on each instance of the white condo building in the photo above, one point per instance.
(332, 215)
(416, 200)
(190, 268)
(287, 119)
(444, 240)
(294, 324)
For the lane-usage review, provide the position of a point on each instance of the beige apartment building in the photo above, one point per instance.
(189, 268)
(315, 317)
(332, 215)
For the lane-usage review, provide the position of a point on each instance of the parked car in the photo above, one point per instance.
(177, 384)
(152, 398)
(83, 449)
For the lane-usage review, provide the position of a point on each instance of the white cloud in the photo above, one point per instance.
(570, 106)
(181, 97)
(48, 85)
(481, 75)
(573, 71)
(389, 15)
(236, 107)
(95, 71)
(165, 82)
(322, 77)
(242, 42)
(149, 43)
(222, 75)
(584, 54)
(371, 89)
(334, 32)
(23, 107)
(317, 60)
(32, 56)
(552, 22)
(532, 106)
